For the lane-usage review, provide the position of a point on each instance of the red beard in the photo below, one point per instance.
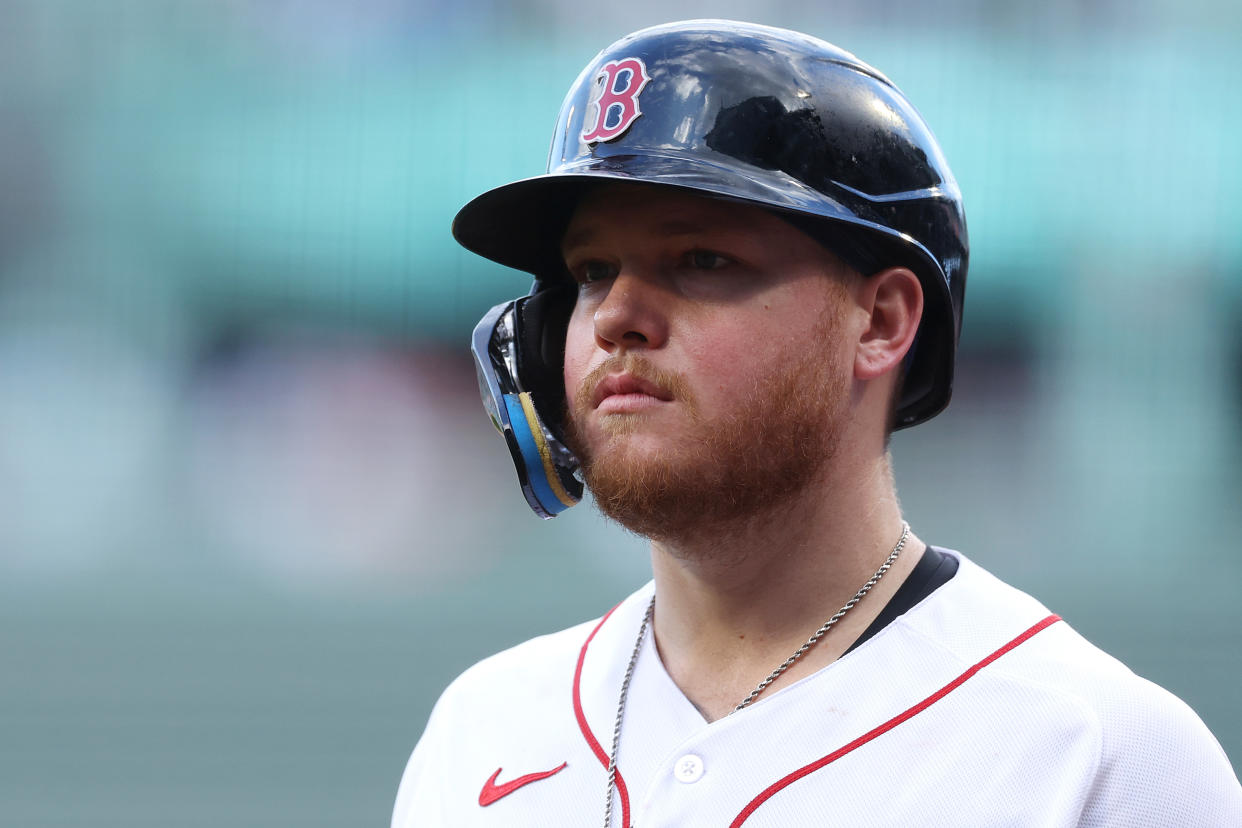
(739, 465)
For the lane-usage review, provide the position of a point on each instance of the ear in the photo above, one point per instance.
(894, 300)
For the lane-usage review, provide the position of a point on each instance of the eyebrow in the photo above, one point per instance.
(667, 229)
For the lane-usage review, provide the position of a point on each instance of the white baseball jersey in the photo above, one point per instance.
(976, 707)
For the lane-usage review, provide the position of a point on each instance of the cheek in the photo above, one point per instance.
(579, 346)
(733, 361)
(729, 354)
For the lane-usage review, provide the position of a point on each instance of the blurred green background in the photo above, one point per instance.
(253, 517)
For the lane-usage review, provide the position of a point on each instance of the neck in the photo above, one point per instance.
(732, 605)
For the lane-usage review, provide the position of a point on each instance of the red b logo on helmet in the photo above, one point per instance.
(614, 101)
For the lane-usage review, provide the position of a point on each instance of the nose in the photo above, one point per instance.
(632, 314)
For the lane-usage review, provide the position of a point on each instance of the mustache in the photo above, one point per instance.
(640, 367)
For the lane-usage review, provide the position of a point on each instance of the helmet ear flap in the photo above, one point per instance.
(518, 349)
(543, 318)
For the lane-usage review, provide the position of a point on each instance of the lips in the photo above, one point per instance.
(625, 384)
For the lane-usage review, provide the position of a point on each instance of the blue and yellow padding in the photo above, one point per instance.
(540, 471)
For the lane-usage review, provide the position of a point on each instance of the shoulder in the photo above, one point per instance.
(534, 679)
(525, 672)
(1153, 756)
(515, 709)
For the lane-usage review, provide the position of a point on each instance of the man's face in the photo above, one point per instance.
(705, 373)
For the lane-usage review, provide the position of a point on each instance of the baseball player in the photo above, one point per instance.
(750, 258)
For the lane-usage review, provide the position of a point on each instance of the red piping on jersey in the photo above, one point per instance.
(900, 718)
(591, 741)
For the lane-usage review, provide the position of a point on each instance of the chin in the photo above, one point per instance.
(639, 435)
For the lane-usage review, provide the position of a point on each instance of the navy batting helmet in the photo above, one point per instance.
(726, 110)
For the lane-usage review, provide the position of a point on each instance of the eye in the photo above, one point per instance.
(707, 260)
(593, 270)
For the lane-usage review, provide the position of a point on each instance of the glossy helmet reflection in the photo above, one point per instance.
(734, 111)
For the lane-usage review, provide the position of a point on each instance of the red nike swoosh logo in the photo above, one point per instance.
(491, 791)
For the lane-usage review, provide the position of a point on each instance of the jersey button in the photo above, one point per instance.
(688, 769)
